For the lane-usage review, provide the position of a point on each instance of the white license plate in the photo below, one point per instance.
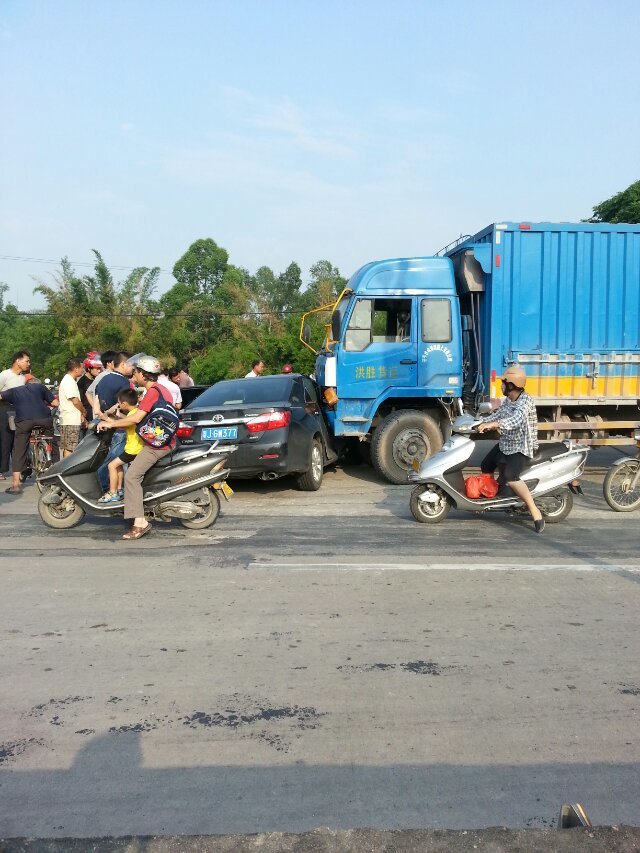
(219, 433)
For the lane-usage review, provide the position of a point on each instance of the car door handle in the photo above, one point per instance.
(408, 361)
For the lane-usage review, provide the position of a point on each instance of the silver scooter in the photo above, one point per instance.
(441, 482)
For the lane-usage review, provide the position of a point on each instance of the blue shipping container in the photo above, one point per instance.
(562, 301)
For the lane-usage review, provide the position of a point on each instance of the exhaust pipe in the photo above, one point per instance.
(269, 475)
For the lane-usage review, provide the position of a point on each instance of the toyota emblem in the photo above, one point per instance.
(218, 419)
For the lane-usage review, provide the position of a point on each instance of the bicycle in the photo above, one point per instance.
(42, 451)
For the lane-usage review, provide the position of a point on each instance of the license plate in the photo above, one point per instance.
(225, 488)
(219, 433)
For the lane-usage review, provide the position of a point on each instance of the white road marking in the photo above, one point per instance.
(455, 567)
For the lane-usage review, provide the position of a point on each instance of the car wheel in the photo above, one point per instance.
(311, 480)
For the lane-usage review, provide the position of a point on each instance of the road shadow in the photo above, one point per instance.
(110, 789)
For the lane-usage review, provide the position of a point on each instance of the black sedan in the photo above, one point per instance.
(275, 421)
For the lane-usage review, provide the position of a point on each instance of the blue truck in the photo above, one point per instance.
(410, 342)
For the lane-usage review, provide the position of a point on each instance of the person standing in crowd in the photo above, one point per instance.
(92, 369)
(167, 382)
(32, 403)
(106, 399)
(107, 358)
(182, 377)
(145, 374)
(257, 367)
(11, 378)
(72, 417)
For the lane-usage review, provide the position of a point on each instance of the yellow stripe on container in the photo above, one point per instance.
(578, 386)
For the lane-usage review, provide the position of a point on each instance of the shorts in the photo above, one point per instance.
(510, 465)
(127, 457)
(69, 437)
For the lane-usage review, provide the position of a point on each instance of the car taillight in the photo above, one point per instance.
(184, 431)
(269, 420)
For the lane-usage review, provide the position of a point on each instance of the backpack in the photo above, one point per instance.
(160, 425)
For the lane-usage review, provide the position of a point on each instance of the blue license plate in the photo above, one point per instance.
(219, 433)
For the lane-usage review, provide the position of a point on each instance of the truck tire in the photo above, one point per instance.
(402, 437)
(311, 480)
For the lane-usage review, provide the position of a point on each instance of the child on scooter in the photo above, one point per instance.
(126, 406)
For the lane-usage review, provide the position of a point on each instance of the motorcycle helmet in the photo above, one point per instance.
(92, 361)
(515, 376)
(146, 363)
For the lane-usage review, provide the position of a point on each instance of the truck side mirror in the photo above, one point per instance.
(335, 326)
(306, 333)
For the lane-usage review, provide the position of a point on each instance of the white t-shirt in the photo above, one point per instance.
(252, 375)
(9, 379)
(172, 388)
(68, 388)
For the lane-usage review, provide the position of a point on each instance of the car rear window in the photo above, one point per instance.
(235, 392)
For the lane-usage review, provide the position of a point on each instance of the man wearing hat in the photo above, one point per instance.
(517, 422)
(32, 403)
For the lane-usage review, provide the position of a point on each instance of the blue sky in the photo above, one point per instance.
(303, 130)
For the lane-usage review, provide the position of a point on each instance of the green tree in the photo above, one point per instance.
(202, 267)
(621, 207)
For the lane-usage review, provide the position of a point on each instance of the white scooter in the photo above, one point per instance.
(441, 482)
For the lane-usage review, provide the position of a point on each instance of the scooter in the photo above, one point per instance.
(441, 481)
(183, 484)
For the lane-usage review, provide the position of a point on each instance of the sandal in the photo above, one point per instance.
(13, 490)
(137, 532)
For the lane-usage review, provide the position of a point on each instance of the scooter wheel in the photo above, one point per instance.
(209, 504)
(429, 512)
(555, 508)
(60, 516)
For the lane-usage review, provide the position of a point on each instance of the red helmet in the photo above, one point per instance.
(286, 368)
(92, 360)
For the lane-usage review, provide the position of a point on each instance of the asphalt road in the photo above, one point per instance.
(318, 660)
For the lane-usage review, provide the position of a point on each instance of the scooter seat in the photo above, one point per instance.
(548, 451)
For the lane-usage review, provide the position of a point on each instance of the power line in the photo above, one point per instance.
(75, 263)
(159, 315)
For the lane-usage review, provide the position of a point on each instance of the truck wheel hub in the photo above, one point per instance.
(409, 445)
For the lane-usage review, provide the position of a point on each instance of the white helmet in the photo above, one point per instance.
(147, 363)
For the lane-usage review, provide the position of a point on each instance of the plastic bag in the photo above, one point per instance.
(481, 486)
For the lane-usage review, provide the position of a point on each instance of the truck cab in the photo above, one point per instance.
(393, 357)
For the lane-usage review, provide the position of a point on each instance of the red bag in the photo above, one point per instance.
(488, 486)
(481, 486)
(472, 486)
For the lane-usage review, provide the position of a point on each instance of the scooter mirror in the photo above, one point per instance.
(485, 408)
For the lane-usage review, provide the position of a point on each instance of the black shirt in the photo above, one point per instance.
(29, 401)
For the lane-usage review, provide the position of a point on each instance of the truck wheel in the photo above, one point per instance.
(60, 516)
(311, 480)
(402, 437)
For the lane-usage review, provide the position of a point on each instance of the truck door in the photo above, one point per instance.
(379, 349)
(439, 346)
